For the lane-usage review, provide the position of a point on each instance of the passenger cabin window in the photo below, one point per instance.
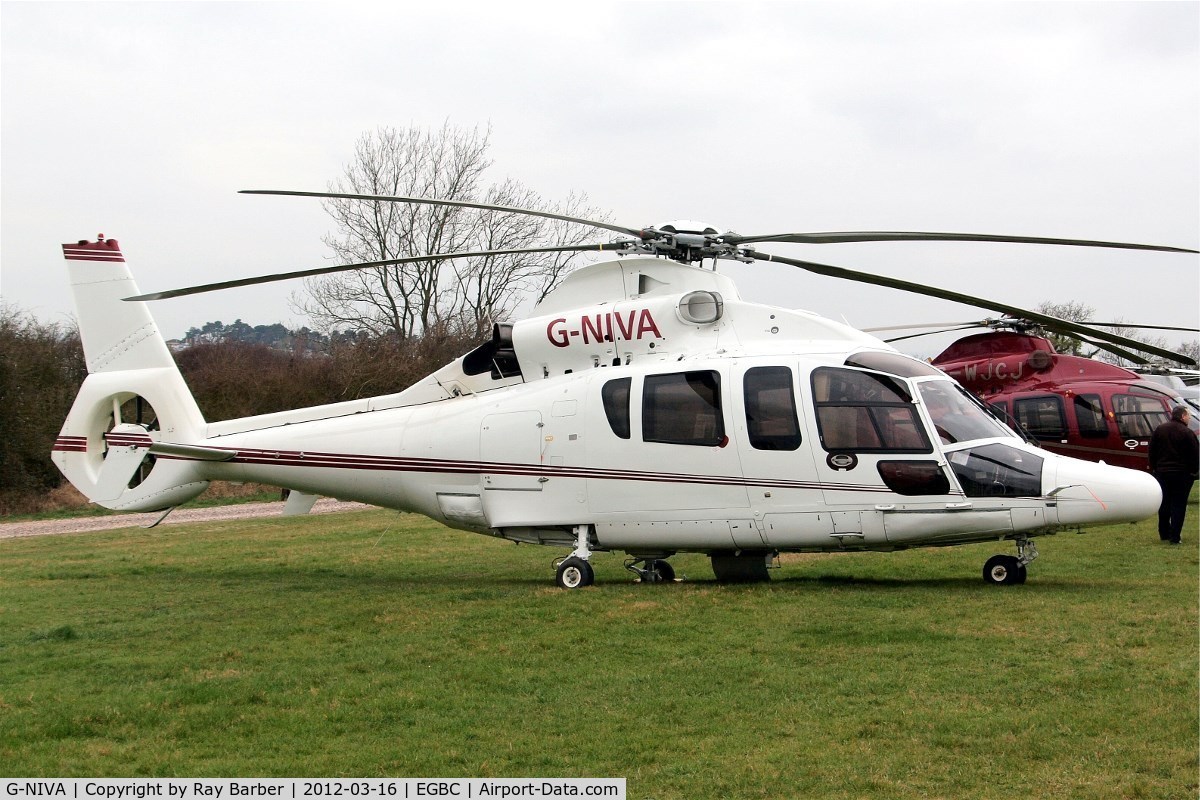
(865, 412)
(1089, 413)
(615, 396)
(1138, 415)
(683, 408)
(771, 421)
(1041, 416)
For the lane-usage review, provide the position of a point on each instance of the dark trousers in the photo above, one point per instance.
(1176, 486)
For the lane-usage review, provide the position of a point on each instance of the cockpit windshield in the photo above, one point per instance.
(956, 417)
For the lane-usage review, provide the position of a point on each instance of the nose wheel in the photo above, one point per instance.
(1004, 571)
(574, 573)
(1010, 570)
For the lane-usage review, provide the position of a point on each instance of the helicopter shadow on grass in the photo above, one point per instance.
(965, 584)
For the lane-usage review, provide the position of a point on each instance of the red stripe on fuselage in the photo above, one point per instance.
(298, 458)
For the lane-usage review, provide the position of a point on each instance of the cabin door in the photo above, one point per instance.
(510, 446)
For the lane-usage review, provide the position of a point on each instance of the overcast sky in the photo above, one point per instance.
(142, 120)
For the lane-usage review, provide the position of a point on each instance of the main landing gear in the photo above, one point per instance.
(652, 570)
(1008, 570)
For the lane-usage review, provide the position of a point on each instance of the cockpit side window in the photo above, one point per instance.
(996, 470)
(683, 408)
(771, 421)
(866, 413)
(615, 396)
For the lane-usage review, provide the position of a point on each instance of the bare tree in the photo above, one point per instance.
(1071, 311)
(452, 296)
(1078, 312)
(1134, 333)
(1190, 348)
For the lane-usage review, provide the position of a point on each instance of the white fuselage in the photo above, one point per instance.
(531, 461)
(644, 403)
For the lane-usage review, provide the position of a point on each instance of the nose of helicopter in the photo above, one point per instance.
(1088, 492)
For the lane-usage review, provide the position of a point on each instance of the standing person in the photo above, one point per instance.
(1174, 460)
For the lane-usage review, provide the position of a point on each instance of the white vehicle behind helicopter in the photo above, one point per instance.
(643, 407)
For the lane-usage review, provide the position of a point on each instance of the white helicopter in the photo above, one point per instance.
(643, 407)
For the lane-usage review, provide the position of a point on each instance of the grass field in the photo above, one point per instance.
(381, 644)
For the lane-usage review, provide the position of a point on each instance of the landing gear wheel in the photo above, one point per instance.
(650, 569)
(662, 571)
(574, 573)
(1004, 570)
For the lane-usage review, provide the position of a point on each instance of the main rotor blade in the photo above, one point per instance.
(948, 325)
(308, 273)
(918, 236)
(1140, 327)
(931, 333)
(1112, 348)
(457, 203)
(1054, 323)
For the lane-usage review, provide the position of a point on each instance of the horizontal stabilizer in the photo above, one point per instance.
(191, 452)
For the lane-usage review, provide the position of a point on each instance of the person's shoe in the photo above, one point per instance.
(1175, 541)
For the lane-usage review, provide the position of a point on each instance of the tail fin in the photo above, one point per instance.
(133, 397)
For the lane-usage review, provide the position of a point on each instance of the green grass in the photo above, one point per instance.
(381, 644)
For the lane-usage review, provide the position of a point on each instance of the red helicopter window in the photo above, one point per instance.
(1138, 415)
(683, 408)
(615, 396)
(1041, 416)
(865, 412)
(1089, 414)
(771, 421)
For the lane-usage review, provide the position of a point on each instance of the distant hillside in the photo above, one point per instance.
(276, 336)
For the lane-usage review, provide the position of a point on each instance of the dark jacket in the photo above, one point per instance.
(1174, 448)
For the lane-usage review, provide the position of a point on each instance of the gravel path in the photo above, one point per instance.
(12, 530)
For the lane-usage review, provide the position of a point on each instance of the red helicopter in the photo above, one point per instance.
(1068, 404)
